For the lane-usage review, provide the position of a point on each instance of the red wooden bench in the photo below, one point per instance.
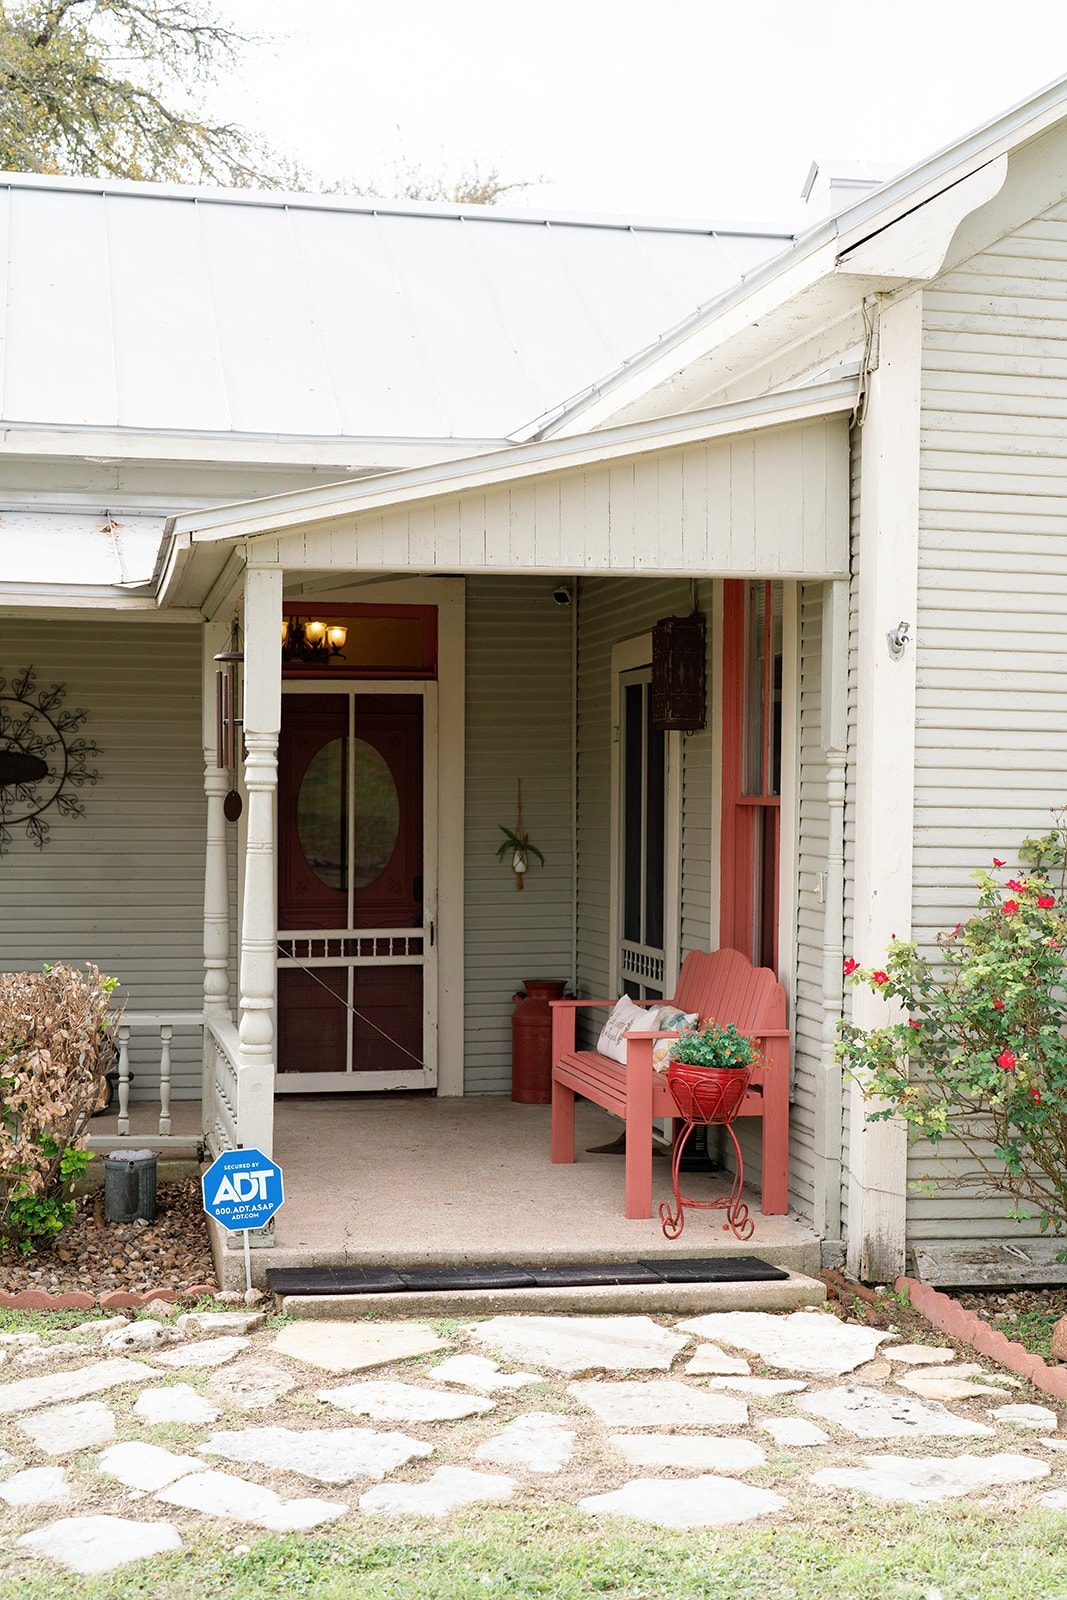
(723, 985)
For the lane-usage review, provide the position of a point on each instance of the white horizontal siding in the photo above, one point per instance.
(519, 725)
(991, 715)
(123, 885)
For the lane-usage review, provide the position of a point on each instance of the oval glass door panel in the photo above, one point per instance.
(377, 808)
(322, 814)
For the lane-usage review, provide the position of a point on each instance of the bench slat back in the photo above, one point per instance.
(725, 985)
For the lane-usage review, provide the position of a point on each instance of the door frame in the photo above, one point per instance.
(366, 1081)
(632, 655)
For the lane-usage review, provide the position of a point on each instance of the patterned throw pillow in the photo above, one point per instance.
(669, 1018)
(625, 1018)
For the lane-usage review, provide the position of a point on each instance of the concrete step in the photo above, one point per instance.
(786, 1294)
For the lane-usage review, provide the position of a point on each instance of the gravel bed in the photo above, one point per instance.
(97, 1256)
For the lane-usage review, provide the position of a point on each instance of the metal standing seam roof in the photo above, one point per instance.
(160, 308)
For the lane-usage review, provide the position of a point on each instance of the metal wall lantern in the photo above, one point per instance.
(679, 674)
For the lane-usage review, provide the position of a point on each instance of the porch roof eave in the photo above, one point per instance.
(292, 530)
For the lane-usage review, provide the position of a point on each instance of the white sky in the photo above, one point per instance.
(675, 108)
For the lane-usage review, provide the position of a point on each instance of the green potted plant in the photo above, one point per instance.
(708, 1069)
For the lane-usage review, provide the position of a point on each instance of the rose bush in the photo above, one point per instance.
(978, 1051)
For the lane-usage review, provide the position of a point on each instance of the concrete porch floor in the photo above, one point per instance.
(444, 1182)
(374, 1181)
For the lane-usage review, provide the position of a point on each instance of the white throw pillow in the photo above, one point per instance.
(669, 1019)
(625, 1018)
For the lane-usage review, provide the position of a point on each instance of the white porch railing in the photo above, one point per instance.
(163, 1025)
(221, 1096)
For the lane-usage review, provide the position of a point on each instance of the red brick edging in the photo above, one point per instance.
(113, 1300)
(959, 1323)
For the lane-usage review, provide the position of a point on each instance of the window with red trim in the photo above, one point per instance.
(751, 768)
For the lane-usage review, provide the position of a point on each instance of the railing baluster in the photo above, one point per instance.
(124, 1078)
(166, 1033)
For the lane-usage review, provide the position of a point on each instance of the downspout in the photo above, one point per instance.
(835, 640)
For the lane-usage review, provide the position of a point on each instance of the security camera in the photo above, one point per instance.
(562, 594)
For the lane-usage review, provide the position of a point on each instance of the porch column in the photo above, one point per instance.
(885, 759)
(216, 866)
(262, 713)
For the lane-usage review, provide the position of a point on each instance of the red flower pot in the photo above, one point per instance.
(707, 1094)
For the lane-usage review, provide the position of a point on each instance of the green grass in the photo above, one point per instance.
(838, 1553)
(1031, 1329)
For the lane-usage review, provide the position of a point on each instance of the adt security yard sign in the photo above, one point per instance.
(242, 1190)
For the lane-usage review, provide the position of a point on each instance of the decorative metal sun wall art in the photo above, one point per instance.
(41, 760)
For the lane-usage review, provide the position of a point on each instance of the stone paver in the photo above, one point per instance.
(704, 1502)
(221, 1321)
(217, 1494)
(870, 1414)
(38, 1486)
(145, 1334)
(449, 1489)
(402, 1402)
(582, 1344)
(708, 1361)
(350, 1346)
(942, 1384)
(919, 1355)
(28, 1394)
(918, 1479)
(793, 1431)
(208, 1353)
(758, 1386)
(251, 1385)
(1039, 1418)
(478, 1372)
(144, 1466)
(1054, 1499)
(694, 1451)
(658, 1403)
(811, 1342)
(99, 1544)
(62, 1430)
(540, 1441)
(329, 1455)
(175, 1402)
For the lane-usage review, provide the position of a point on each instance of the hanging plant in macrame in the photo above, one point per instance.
(517, 844)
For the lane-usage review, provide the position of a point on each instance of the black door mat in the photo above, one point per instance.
(718, 1269)
(414, 1280)
(491, 1277)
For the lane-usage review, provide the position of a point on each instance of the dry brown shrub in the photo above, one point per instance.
(56, 1045)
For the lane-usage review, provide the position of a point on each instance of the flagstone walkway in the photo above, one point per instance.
(117, 1438)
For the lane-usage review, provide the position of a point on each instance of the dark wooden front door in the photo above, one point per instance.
(353, 936)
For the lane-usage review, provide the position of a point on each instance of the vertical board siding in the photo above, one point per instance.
(123, 885)
(807, 1019)
(519, 725)
(611, 610)
(991, 715)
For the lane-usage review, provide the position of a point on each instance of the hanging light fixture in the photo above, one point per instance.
(309, 640)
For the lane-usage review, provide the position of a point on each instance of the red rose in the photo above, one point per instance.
(1006, 1061)
(997, 861)
(1047, 901)
(851, 967)
(998, 1005)
(1015, 886)
(1035, 1095)
(1010, 908)
(913, 1024)
(878, 978)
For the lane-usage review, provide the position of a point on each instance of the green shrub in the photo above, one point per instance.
(977, 1050)
(714, 1044)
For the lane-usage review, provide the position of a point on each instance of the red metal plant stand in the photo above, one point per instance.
(707, 1097)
